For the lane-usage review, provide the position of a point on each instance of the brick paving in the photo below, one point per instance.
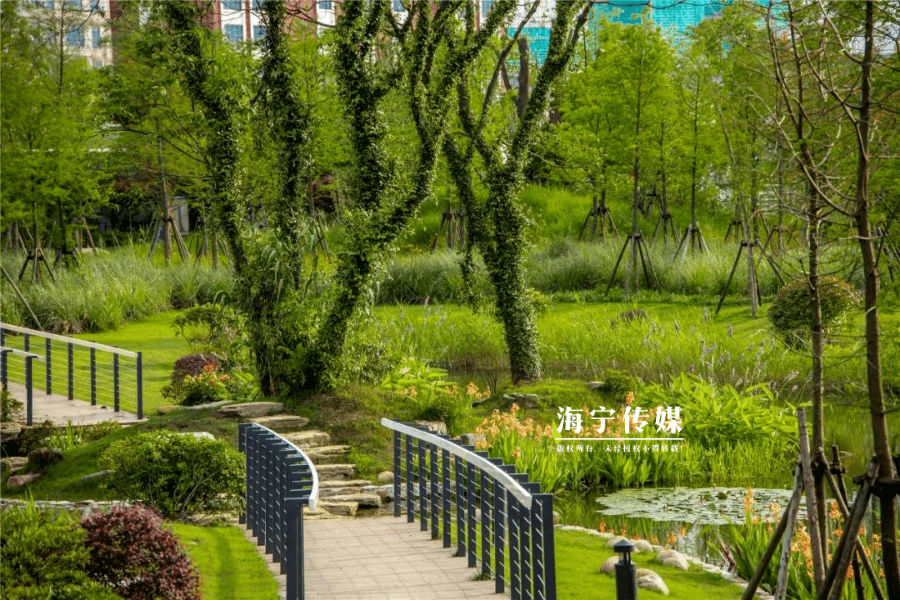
(383, 558)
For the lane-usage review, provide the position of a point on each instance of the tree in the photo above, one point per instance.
(48, 133)
(496, 225)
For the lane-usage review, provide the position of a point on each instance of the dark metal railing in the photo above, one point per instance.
(114, 377)
(28, 358)
(281, 480)
(498, 518)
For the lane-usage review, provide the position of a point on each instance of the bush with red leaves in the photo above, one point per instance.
(193, 364)
(133, 554)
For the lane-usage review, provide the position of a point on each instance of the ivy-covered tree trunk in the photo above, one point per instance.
(497, 226)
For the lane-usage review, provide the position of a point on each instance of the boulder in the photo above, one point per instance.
(361, 499)
(386, 477)
(653, 582)
(438, 427)
(343, 509)
(168, 408)
(13, 464)
(98, 475)
(249, 410)
(523, 400)
(472, 439)
(9, 432)
(557, 518)
(645, 573)
(20, 480)
(609, 565)
(664, 554)
(614, 540)
(336, 472)
(642, 546)
(282, 423)
(679, 562)
(327, 455)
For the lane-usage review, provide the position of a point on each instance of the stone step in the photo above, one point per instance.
(337, 471)
(362, 500)
(343, 509)
(325, 484)
(282, 423)
(327, 455)
(308, 439)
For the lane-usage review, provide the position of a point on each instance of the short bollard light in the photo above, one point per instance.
(626, 582)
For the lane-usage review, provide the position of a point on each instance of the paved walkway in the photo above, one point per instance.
(61, 410)
(384, 558)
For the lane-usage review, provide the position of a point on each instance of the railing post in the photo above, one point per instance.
(27, 342)
(527, 542)
(93, 377)
(29, 392)
(460, 509)
(515, 580)
(294, 558)
(3, 372)
(70, 371)
(410, 509)
(242, 447)
(140, 385)
(48, 366)
(470, 513)
(434, 492)
(445, 496)
(116, 382)
(397, 474)
(487, 485)
(547, 550)
(423, 503)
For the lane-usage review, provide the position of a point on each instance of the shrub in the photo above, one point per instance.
(9, 406)
(791, 311)
(193, 364)
(617, 383)
(135, 555)
(204, 388)
(179, 475)
(44, 457)
(43, 556)
(209, 326)
(427, 394)
(36, 437)
(100, 430)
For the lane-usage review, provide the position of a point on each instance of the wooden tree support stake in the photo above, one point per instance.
(811, 506)
(793, 508)
(763, 565)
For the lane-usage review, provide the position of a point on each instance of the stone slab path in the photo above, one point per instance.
(383, 558)
(61, 410)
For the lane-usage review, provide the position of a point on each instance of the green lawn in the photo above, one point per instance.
(229, 565)
(578, 576)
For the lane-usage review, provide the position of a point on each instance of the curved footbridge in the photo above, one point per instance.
(464, 525)
(67, 380)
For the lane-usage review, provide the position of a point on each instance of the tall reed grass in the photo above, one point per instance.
(108, 289)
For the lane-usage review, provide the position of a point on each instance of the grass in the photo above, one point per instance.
(578, 576)
(62, 481)
(230, 567)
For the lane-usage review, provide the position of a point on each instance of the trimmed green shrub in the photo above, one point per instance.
(36, 437)
(43, 555)
(791, 311)
(132, 552)
(179, 475)
(209, 326)
(44, 457)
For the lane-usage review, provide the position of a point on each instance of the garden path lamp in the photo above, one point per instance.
(626, 581)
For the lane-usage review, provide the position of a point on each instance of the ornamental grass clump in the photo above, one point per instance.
(791, 311)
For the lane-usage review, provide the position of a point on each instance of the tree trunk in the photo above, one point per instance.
(524, 75)
(873, 340)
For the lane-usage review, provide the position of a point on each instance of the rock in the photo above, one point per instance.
(13, 464)
(386, 477)
(202, 435)
(344, 509)
(325, 455)
(97, 475)
(325, 484)
(664, 554)
(282, 423)
(653, 582)
(645, 573)
(609, 565)
(334, 472)
(248, 410)
(9, 432)
(168, 408)
(363, 500)
(472, 439)
(438, 427)
(642, 546)
(596, 385)
(557, 518)
(20, 480)
(307, 439)
(523, 400)
(679, 562)
(614, 540)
